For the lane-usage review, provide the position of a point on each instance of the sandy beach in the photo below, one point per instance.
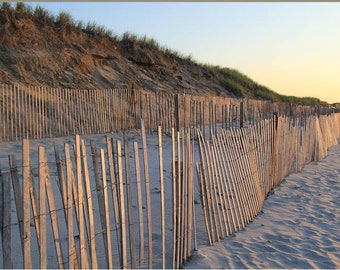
(297, 228)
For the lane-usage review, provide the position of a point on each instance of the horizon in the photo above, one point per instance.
(291, 48)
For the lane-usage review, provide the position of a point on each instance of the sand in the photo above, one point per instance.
(298, 227)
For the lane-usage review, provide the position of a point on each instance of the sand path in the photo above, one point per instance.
(299, 226)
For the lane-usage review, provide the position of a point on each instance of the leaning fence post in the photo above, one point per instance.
(101, 200)
(114, 192)
(176, 111)
(6, 229)
(92, 239)
(17, 194)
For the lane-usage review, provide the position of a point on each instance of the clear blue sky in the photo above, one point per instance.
(292, 48)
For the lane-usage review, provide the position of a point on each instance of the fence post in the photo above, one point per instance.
(122, 206)
(92, 238)
(80, 202)
(6, 228)
(174, 196)
(129, 202)
(147, 193)
(26, 178)
(160, 148)
(177, 111)
(114, 193)
(241, 114)
(42, 207)
(71, 251)
(276, 119)
(106, 209)
(100, 197)
(17, 194)
(140, 208)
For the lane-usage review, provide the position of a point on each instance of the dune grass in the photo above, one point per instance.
(231, 80)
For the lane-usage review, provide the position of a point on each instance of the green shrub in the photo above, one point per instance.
(5, 12)
(43, 17)
(64, 19)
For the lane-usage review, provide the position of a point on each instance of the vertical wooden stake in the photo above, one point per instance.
(42, 207)
(241, 114)
(189, 193)
(26, 204)
(100, 197)
(106, 208)
(109, 145)
(82, 245)
(174, 196)
(160, 148)
(140, 204)
(129, 202)
(179, 202)
(70, 235)
(122, 206)
(147, 193)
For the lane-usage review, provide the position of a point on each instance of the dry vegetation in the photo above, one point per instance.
(40, 49)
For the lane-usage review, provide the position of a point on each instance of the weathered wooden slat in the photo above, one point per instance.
(140, 204)
(6, 229)
(100, 197)
(70, 233)
(114, 193)
(17, 194)
(174, 195)
(82, 239)
(122, 206)
(129, 202)
(161, 178)
(106, 209)
(26, 175)
(205, 189)
(147, 193)
(92, 238)
(43, 174)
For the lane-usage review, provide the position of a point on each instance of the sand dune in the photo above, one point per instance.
(298, 227)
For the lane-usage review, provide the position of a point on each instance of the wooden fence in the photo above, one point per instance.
(239, 167)
(40, 112)
(110, 207)
(106, 213)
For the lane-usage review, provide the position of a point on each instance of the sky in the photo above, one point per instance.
(292, 48)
